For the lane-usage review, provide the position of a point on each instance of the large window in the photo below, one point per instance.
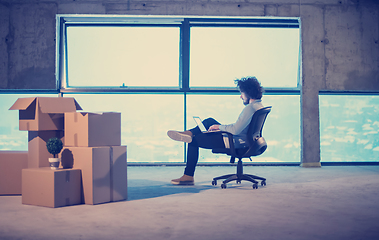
(349, 128)
(145, 119)
(127, 53)
(159, 71)
(219, 54)
(122, 56)
(281, 129)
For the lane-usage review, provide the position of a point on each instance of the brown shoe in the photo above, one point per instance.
(184, 180)
(180, 136)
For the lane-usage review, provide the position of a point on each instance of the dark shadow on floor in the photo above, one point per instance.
(143, 189)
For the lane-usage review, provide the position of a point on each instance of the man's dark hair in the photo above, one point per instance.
(250, 86)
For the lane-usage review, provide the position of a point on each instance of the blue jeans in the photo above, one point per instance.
(201, 140)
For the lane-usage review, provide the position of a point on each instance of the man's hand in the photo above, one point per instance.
(214, 128)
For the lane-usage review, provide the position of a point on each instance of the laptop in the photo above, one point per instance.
(201, 125)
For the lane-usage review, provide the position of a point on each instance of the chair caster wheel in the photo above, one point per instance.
(214, 182)
(263, 183)
(255, 186)
(223, 185)
(238, 182)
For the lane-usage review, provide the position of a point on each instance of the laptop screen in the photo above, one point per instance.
(200, 124)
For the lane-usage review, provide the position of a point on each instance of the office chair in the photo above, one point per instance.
(256, 146)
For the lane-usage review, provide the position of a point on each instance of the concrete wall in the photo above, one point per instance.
(340, 43)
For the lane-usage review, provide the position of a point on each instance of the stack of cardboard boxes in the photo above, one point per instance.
(93, 162)
(93, 144)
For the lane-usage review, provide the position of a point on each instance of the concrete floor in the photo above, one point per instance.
(297, 203)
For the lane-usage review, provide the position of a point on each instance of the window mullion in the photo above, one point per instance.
(184, 55)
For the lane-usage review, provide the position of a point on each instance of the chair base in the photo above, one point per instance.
(239, 176)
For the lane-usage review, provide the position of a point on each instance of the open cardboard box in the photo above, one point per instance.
(43, 113)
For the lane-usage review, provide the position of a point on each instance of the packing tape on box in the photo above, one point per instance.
(67, 180)
(68, 176)
(75, 139)
(111, 172)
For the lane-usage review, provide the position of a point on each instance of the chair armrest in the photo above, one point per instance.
(230, 138)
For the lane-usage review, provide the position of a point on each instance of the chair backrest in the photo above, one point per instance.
(257, 144)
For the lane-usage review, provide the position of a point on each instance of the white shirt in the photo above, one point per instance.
(240, 127)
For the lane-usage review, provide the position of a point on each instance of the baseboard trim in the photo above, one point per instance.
(274, 164)
(310, 164)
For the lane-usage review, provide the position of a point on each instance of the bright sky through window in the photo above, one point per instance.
(149, 56)
(116, 56)
(219, 55)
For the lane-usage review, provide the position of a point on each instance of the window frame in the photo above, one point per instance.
(184, 23)
(345, 93)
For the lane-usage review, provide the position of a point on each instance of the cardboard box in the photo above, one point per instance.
(118, 170)
(83, 129)
(11, 165)
(43, 113)
(38, 156)
(51, 188)
(104, 172)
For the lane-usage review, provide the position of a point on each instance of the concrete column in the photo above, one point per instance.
(31, 46)
(352, 47)
(313, 79)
